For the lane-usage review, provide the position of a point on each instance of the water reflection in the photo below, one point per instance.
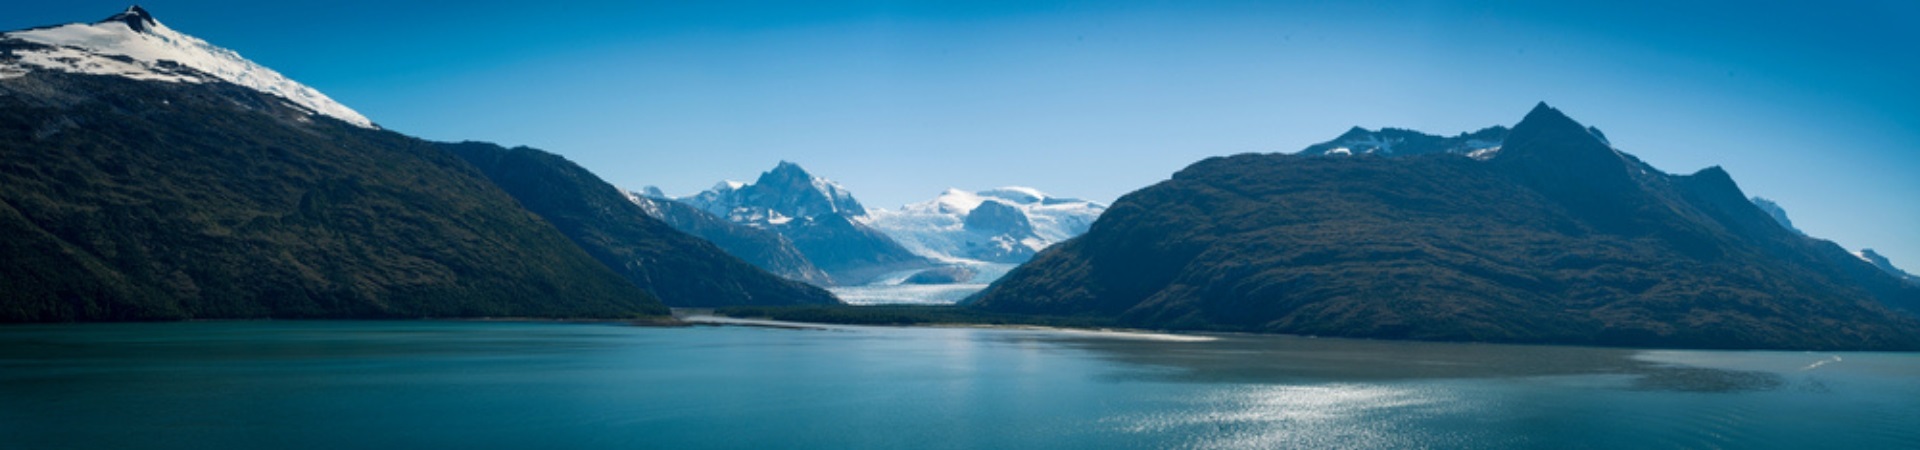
(1295, 360)
(324, 385)
(1694, 379)
(1321, 416)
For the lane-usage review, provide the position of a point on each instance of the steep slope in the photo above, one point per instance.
(1779, 214)
(1887, 266)
(680, 269)
(819, 216)
(124, 199)
(132, 44)
(764, 249)
(1556, 238)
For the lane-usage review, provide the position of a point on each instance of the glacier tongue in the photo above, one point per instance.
(134, 45)
(937, 228)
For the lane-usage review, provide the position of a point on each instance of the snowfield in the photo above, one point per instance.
(134, 45)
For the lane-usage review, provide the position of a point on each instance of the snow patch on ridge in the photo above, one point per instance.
(157, 53)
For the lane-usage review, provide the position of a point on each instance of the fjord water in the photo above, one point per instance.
(279, 384)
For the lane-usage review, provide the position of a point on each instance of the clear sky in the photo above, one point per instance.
(1813, 104)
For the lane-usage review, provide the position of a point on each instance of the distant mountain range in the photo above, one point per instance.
(764, 248)
(148, 175)
(1777, 213)
(819, 217)
(1780, 215)
(1004, 225)
(680, 269)
(1884, 265)
(960, 239)
(1542, 233)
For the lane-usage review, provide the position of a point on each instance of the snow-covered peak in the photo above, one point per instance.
(133, 44)
(1017, 194)
(950, 201)
(652, 191)
(646, 202)
(135, 17)
(956, 201)
(1022, 221)
(780, 195)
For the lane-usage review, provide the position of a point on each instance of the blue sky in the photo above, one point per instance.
(1812, 105)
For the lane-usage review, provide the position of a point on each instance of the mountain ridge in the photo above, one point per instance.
(819, 217)
(1556, 238)
(133, 44)
(140, 200)
(680, 269)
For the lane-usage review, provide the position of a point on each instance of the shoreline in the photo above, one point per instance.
(708, 317)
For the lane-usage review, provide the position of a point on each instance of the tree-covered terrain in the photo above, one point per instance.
(132, 200)
(680, 269)
(1558, 238)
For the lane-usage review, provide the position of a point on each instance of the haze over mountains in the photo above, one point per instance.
(1548, 235)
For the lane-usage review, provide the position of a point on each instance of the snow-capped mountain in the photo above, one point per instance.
(1779, 214)
(819, 216)
(134, 45)
(1005, 225)
(778, 196)
(761, 247)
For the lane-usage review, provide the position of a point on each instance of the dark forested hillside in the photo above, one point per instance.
(682, 270)
(1556, 239)
(135, 200)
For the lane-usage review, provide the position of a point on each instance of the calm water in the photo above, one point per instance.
(528, 385)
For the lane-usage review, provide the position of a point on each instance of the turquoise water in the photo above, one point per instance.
(534, 385)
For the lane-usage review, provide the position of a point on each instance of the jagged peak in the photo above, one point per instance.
(134, 17)
(1546, 130)
(789, 166)
(1544, 119)
(1716, 181)
(788, 189)
(1544, 116)
(786, 172)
